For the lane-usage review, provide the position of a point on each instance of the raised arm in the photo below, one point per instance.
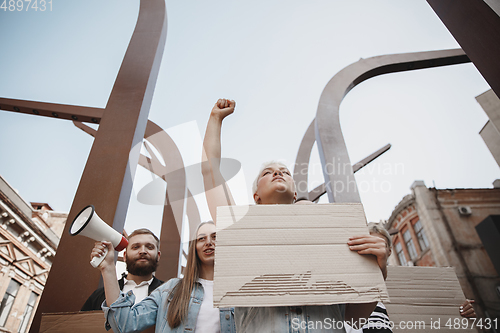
(216, 190)
(108, 271)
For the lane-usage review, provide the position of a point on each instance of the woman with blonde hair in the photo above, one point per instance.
(178, 305)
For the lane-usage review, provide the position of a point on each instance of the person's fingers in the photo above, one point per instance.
(364, 239)
(96, 252)
(363, 246)
(363, 249)
(366, 251)
(358, 247)
(375, 252)
(99, 249)
(471, 314)
(99, 246)
(107, 244)
(223, 103)
(367, 242)
(468, 312)
(358, 236)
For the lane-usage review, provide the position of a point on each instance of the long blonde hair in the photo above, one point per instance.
(181, 294)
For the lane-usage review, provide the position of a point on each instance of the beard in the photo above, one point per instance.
(141, 268)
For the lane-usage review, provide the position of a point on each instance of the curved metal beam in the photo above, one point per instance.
(172, 220)
(107, 179)
(173, 211)
(59, 111)
(301, 168)
(317, 192)
(340, 184)
(475, 25)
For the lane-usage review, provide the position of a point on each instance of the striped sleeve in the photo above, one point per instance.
(378, 322)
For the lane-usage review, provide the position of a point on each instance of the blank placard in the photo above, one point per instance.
(278, 255)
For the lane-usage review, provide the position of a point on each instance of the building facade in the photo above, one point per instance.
(29, 235)
(434, 227)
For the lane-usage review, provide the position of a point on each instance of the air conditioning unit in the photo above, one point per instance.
(464, 210)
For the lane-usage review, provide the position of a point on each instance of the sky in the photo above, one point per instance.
(274, 59)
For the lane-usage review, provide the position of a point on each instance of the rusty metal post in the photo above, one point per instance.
(476, 27)
(174, 174)
(107, 178)
(173, 209)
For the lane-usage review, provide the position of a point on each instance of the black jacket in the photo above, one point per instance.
(95, 300)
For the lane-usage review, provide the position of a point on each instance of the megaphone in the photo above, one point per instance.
(87, 223)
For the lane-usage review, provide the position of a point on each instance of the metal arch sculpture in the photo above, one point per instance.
(107, 178)
(173, 212)
(325, 128)
(315, 194)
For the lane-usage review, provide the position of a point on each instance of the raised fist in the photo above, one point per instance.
(223, 108)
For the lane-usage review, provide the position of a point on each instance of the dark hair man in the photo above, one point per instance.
(141, 256)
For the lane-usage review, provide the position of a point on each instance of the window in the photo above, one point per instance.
(409, 244)
(8, 300)
(422, 239)
(401, 255)
(27, 313)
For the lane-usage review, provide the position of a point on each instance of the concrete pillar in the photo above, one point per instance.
(4, 280)
(490, 133)
(431, 221)
(18, 307)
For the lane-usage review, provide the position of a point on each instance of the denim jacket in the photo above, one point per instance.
(291, 319)
(123, 316)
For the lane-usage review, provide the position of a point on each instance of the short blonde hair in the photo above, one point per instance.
(379, 229)
(264, 165)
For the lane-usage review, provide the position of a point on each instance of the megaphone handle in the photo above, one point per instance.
(96, 261)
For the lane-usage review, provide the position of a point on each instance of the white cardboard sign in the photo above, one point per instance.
(425, 299)
(279, 255)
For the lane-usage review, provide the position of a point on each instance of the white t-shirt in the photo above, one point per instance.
(140, 290)
(208, 319)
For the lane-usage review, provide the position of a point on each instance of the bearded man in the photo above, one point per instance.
(141, 256)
